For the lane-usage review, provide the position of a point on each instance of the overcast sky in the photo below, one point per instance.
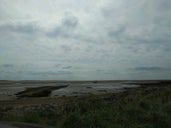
(85, 39)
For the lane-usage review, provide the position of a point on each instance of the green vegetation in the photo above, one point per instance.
(135, 108)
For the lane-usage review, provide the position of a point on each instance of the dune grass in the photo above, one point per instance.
(137, 108)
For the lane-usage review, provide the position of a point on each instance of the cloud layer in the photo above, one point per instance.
(82, 40)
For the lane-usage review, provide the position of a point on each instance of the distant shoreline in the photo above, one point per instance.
(2, 82)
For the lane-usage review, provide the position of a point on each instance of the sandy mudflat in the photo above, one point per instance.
(9, 89)
(104, 90)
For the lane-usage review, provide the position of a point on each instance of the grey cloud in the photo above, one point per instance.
(108, 35)
(20, 28)
(165, 5)
(87, 60)
(66, 48)
(70, 21)
(99, 70)
(55, 32)
(65, 29)
(7, 65)
(151, 40)
(105, 71)
(83, 38)
(117, 32)
(57, 65)
(50, 73)
(150, 69)
(154, 43)
(67, 67)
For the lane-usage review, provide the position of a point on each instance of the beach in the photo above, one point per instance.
(52, 103)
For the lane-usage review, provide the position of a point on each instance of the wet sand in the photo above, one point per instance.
(9, 89)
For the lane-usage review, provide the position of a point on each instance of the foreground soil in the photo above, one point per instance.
(148, 106)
